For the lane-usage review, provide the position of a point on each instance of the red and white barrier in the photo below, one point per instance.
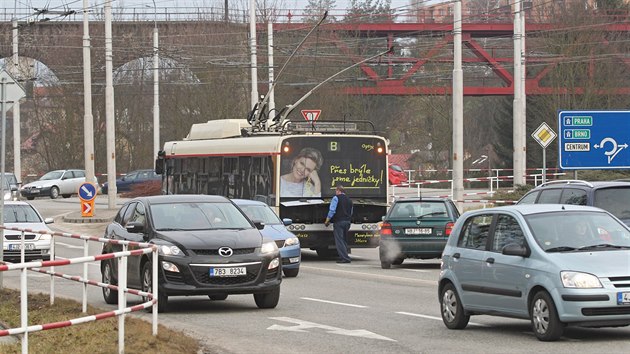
(142, 249)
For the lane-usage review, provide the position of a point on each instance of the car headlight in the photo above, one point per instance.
(291, 241)
(579, 280)
(268, 247)
(45, 237)
(170, 250)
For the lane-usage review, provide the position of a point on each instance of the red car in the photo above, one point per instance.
(396, 174)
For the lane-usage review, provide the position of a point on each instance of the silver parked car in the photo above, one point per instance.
(55, 183)
(555, 265)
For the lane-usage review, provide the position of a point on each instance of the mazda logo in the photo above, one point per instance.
(225, 252)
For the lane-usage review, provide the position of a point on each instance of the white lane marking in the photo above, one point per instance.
(302, 326)
(333, 302)
(435, 318)
(379, 276)
(417, 270)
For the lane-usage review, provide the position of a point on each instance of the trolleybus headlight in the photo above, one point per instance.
(379, 148)
(286, 147)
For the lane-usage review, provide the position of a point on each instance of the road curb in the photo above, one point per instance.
(75, 217)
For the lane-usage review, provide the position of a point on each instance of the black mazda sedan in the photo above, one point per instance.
(207, 246)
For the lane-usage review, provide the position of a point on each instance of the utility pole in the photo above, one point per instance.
(110, 119)
(517, 122)
(458, 108)
(524, 134)
(252, 48)
(272, 100)
(225, 9)
(156, 87)
(17, 134)
(88, 119)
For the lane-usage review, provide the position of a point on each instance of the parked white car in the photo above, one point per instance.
(36, 245)
(55, 183)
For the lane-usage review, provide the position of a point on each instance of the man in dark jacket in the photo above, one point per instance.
(340, 214)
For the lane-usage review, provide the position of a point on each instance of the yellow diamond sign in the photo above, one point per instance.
(544, 135)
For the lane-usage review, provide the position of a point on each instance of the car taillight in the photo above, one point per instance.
(386, 229)
(449, 228)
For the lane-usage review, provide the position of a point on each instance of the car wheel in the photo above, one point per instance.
(66, 195)
(291, 273)
(268, 300)
(545, 322)
(30, 198)
(54, 193)
(110, 296)
(398, 261)
(386, 265)
(147, 286)
(218, 297)
(451, 308)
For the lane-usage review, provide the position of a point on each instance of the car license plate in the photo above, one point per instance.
(419, 231)
(228, 272)
(18, 246)
(623, 298)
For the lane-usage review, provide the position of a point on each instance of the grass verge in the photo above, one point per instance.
(93, 337)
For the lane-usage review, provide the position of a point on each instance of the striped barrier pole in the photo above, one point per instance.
(121, 256)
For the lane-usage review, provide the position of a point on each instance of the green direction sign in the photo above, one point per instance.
(577, 133)
(580, 121)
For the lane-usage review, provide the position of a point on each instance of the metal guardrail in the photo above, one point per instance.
(492, 181)
(23, 267)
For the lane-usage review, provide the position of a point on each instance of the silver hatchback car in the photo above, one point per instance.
(556, 265)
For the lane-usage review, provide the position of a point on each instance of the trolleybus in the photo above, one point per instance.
(295, 170)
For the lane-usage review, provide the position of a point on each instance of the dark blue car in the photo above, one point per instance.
(131, 179)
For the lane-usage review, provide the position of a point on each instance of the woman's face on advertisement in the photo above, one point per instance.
(303, 167)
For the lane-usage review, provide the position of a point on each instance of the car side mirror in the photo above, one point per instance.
(49, 221)
(14, 188)
(134, 227)
(383, 218)
(259, 224)
(287, 222)
(514, 249)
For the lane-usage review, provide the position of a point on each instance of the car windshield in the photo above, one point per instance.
(614, 200)
(20, 214)
(262, 213)
(577, 231)
(197, 216)
(51, 175)
(424, 209)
